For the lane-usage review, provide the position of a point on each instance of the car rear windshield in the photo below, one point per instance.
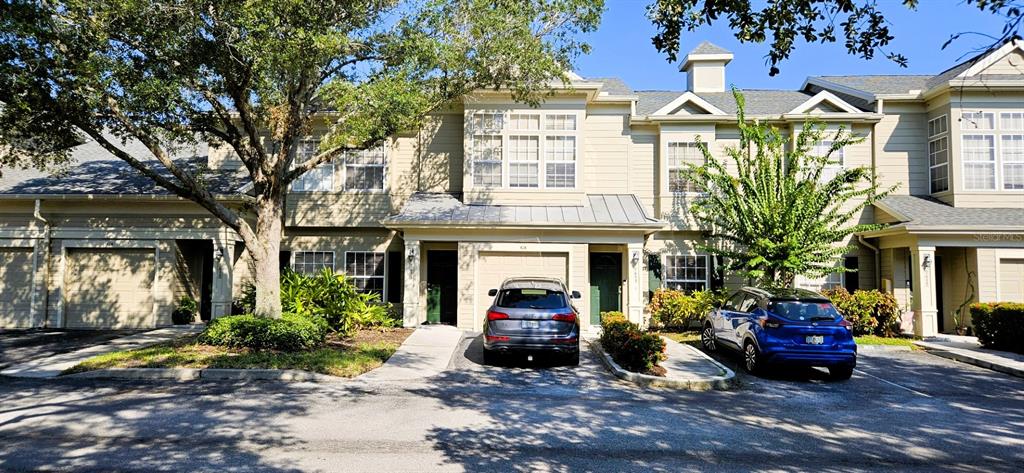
(531, 299)
(804, 310)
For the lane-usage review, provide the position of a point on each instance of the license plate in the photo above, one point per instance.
(531, 324)
(815, 339)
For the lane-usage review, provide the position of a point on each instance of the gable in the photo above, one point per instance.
(689, 108)
(689, 104)
(825, 107)
(825, 102)
(1010, 64)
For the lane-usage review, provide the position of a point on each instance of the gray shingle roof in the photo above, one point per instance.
(613, 85)
(707, 47)
(881, 84)
(95, 171)
(758, 102)
(649, 101)
(923, 211)
(619, 210)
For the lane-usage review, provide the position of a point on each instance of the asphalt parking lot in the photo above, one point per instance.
(17, 346)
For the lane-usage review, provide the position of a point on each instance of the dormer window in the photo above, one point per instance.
(523, 150)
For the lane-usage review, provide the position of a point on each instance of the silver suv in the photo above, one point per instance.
(532, 315)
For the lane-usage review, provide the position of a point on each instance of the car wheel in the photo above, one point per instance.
(490, 357)
(573, 359)
(840, 373)
(708, 339)
(751, 358)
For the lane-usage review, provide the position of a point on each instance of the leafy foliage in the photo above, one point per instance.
(999, 325)
(870, 312)
(674, 309)
(290, 332)
(334, 298)
(769, 208)
(632, 348)
(185, 312)
(862, 26)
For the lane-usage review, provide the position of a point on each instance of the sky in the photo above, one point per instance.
(622, 48)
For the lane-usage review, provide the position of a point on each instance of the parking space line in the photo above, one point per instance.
(919, 393)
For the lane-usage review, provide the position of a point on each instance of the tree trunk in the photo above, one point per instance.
(266, 256)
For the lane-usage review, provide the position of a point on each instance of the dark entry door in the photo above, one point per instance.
(605, 284)
(442, 286)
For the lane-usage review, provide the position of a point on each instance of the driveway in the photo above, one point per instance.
(19, 346)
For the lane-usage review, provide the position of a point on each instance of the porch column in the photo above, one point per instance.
(924, 304)
(634, 293)
(223, 276)
(411, 289)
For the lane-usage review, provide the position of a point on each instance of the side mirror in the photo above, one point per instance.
(575, 295)
(492, 292)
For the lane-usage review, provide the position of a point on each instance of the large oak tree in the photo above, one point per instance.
(163, 72)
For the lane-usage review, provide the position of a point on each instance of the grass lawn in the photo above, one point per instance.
(691, 337)
(346, 357)
(893, 341)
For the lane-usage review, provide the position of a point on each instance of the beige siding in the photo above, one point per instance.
(109, 288)
(958, 274)
(988, 263)
(994, 101)
(606, 162)
(1011, 280)
(643, 168)
(16, 287)
(1012, 64)
(901, 152)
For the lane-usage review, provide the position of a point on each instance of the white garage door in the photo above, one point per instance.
(109, 288)
(495, 267)
(15, 287)
(1011, 280)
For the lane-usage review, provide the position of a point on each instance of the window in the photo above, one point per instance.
(829, 281)
(979, 159)
(686, 273)
(1011, 121)
(488, 122)
(679, 155)
(977, 121)
(523, 161)
(1013, 161)
(486, 160)
(835, 160)
(938, 162)
(560, 122)
(318, 179)
(366, 270)
(311, 262)
(938, 126)
(560, 161)
(524, 121)
(364, 170)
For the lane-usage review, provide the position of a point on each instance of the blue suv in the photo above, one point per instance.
(793, 327)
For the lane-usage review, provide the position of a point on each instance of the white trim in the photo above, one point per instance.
(824, 96)
(707, 269)
(992, 58)
(383, 278)
(994, 161)
(825, 84)
(688, 97)
(291, 258)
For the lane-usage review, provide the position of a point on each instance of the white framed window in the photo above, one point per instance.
(686, 273)
(977, 121)
(318, 179)
(836, 160)
(560, 121)
(488, 122)
(1011, 121)
(938, 164)
(524, 121)
(523, 161)
(1012, 150)
(366, 270)
(938, 126)
(486, 160)
(312, 262)
(829, 281)
(560, 161)
(679, 155)
(979, 162)
(364, 170)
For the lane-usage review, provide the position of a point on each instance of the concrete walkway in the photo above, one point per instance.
(51, 366)
(968, 350)
(425, 353)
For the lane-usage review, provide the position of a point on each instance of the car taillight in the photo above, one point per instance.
(497, 338)
(846, 324)
(494, 315)
(567, 317)
(768, 322)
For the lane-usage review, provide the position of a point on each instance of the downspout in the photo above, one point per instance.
(38, 215)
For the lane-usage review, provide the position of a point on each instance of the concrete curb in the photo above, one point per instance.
(219, 374)
(723, 382)
(882, 348)
(964, 357)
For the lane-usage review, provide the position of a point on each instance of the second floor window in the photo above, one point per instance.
(979, 157)
(938, 164)
(686, 273)
(486, 162)
(318, 179)
(1013, 162)
(364, 170)
(523, 161)
(679, 155)
(560, 160)
(835, 161)
(523, 150)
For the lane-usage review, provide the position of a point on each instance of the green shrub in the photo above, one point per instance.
(185, 312)
(633, 349)
(670, 308)
(366, 311)
(291, 332)
(870, 312)
(245, 303)
(999, 325)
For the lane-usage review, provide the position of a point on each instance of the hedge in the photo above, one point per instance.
(673, 309)
(632, 348)
(291, 332)
(870, 312)
(999, 325)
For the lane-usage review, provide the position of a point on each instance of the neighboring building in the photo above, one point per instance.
(584, 188)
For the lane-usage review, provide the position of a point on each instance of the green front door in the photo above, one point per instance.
(442, 286)
(605, 284)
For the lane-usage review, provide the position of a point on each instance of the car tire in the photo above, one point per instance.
(751, 358)
(840, 373)
(573, 359)
(708, 339)
(491, 358)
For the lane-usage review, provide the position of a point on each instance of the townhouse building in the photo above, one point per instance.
(585, 188)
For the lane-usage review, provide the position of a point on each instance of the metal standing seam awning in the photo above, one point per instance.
(598, 211)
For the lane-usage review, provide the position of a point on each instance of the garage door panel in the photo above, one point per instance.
(15, 287)
(109, 288)
(1011, 280)
(495, 267)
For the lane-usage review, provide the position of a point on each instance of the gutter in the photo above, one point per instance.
(47, 230)
(138, 197)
